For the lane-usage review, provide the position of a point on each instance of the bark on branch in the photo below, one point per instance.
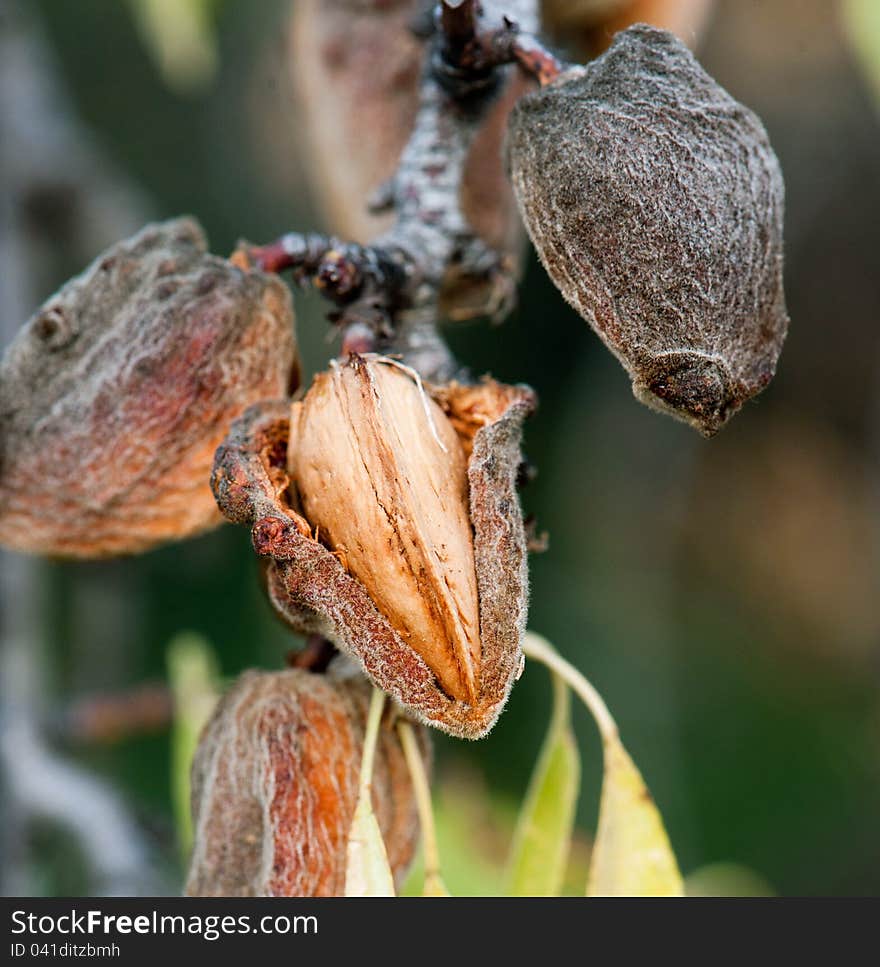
(387, 292)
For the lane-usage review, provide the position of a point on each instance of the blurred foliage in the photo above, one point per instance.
(721, 594)
(194, 681)
(862, 21)
(727, 879)
(181, 36)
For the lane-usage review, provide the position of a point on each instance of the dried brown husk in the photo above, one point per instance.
(114, 396)
(655, 202)
(356, 69)
(275, 783)
(310, 587)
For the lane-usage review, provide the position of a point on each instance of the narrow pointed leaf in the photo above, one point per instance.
(194, 679)
(367, 871)
(542, 841)
(632, 855)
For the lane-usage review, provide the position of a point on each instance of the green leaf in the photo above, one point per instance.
(631, 854)
(181, 37)
(542, 840)
(195, 686)
(861, 22)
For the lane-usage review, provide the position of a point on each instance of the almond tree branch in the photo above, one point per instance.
(388, 291)
(468, 53)
(458, 22)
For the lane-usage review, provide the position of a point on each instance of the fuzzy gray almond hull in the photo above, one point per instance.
(655, 203)
(313, 592)
(115, 395)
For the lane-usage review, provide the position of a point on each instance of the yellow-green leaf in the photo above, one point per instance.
(861, 21)
(542, 840)
(195, 686)
(181, 37)
(631, 855)
(367, 872)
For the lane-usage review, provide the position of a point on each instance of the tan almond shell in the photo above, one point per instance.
(381, 476)
(312, 591)
(275, 783)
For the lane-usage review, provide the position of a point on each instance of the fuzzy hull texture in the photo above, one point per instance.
(313, 591)
(114, 396)
(275, 784)
(655, 202)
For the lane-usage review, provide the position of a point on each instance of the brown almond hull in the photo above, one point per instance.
(311, 590)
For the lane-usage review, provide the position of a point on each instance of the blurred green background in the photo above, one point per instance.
(722, 595)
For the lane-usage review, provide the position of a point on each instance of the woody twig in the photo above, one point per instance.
(387, 293)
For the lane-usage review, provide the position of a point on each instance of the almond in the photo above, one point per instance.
(655, 202)
(275, 782)
(114, 396)
(312, 591)
(382, 478)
